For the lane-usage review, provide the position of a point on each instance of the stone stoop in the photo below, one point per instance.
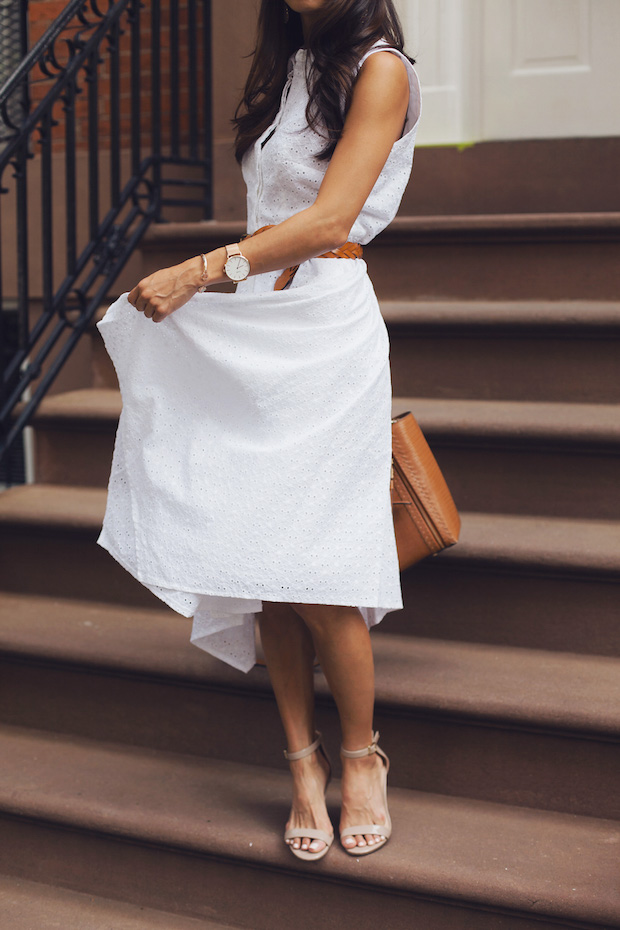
(27, 905)
(143, 782)
(171, 832)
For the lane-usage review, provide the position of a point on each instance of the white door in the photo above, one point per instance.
(515, 69)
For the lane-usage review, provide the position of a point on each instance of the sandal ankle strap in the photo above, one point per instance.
(366, 751)
(302, 753)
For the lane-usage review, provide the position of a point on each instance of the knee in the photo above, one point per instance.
(276, 614)
(319, 617)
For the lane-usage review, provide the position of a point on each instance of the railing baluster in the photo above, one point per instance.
(23, 284)
(136, 110)
(192, 78)
(4, 347)
(47, 236)
(70, 183)
(115, 115)
(93, 143)
(175, 102)
(156, 102)
(207, 129)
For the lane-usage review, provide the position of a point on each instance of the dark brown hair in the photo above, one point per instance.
(337, 42)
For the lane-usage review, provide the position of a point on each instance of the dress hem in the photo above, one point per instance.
(241, 595)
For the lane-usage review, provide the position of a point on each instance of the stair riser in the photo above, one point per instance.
(563, 614)
(58, 565)
(523, 368)
(495, 271)
(512, 367)
(81, 458)
(567, 483)
(103, 372)
(444, 602)
(233, 892)
(428, 752)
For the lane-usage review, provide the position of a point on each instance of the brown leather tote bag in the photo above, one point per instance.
(425, 517)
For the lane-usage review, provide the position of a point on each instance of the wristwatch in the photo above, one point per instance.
(237, 267)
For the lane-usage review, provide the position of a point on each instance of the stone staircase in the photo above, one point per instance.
(143, 783)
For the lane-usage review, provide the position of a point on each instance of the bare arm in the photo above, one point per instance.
(374, 122)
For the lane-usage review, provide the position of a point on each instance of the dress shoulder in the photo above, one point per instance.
(415, 93)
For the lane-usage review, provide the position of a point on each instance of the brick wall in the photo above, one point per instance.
(43, 12)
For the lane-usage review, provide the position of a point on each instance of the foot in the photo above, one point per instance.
(362, 799)
(310, 777)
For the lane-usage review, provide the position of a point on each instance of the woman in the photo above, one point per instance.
(252, 463)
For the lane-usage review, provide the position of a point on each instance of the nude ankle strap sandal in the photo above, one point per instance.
(383, 830)
(301, 832)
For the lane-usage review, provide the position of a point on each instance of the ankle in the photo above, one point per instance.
(365, 763)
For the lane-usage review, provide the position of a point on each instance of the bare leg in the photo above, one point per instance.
(343, 646)
(289, 654)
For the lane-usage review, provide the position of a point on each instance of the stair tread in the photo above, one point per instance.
(502, 315)
(470, 420)
(25, 905)
(538, 544)
(466, 851)
(565, 691)
(53, 505)
(505, 541)
(82, 404)
(515, 421)
(540, 225)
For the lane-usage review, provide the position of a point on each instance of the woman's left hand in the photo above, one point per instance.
(161, 293)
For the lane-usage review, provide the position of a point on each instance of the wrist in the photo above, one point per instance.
(194, 269)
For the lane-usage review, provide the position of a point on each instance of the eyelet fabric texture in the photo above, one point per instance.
(253, 452)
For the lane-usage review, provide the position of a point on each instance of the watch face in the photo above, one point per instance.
(237, 268)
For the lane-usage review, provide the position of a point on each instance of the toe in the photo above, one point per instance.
(360, 840)
(317, 846)
(349, 842)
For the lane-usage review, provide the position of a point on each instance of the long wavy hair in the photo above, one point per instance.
(337, 42)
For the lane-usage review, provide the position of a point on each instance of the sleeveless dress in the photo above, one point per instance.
(253, 452)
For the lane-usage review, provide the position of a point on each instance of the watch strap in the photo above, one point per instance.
(232, 250)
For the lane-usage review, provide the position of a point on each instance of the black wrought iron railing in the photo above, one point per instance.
(104, 124)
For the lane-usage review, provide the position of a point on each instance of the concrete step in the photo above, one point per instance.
(561, 351)
(103, 373)
(545, 583)
(487, 722)
(498, 456)
(554, 256)
(558, 460)
(75, 437)
(202, 838)
(28, 905)
(47, 546)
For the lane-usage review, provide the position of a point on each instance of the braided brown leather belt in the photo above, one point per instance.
(348, 250)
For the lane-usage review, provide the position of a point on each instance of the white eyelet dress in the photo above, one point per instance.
(252, 456)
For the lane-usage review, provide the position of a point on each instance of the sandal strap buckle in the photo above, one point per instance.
(366, 751)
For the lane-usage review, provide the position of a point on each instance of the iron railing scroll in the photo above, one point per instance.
(107, 112)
